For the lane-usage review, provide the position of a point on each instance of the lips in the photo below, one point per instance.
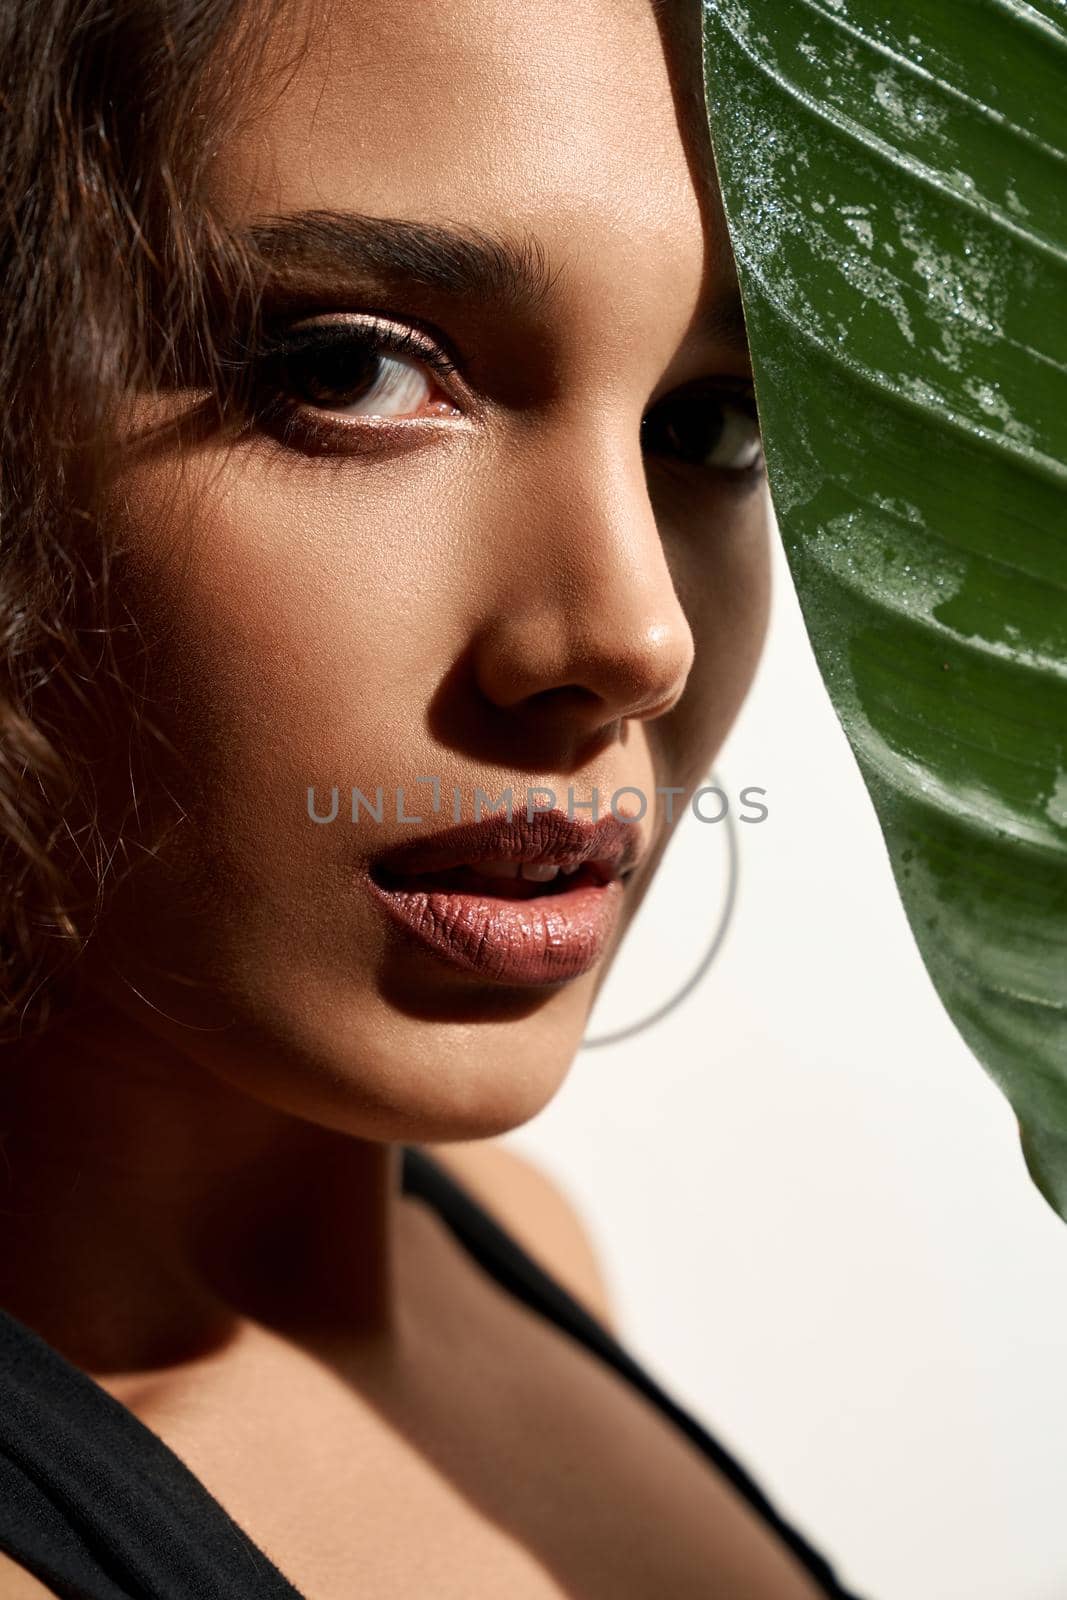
(520, 901)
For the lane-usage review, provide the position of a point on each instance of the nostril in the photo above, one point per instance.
(564, 697)
(636, 683)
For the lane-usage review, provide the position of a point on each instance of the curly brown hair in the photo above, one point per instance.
(112, 111)
(117, 282)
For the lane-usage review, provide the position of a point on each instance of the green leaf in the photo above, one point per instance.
(895, 182)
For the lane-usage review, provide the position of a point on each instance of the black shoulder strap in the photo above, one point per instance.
(495, 1250)
(96, 1505)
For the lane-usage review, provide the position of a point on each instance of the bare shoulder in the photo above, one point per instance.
(18, 1584)
(536, 1211)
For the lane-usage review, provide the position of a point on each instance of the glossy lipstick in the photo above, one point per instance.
(520, 901)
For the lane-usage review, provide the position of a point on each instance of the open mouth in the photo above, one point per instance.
(521, 901)
(504, 880)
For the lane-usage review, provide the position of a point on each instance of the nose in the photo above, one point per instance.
(587, 624)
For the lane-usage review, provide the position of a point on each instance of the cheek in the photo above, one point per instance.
(296, 626)
(724, 581)
(292, 628)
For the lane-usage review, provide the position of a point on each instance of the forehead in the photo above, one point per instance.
(571, 123)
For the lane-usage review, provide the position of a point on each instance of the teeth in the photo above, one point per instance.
(497, 869)
(532, 871)
(569, 871)
(539, 871)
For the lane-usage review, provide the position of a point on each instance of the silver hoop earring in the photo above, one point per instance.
(715, 945)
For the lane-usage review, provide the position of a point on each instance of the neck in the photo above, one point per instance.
(148, 1209)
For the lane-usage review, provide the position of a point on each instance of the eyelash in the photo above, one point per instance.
(736, 394)
(275, 407)
(299, 424)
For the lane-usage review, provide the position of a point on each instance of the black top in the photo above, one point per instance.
(97, 1506)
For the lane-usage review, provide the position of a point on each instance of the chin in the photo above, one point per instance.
(409, 1081)
(443, 1062)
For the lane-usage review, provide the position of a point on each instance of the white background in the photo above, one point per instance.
(808, 1198)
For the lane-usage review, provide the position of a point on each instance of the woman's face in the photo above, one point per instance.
(491, 576)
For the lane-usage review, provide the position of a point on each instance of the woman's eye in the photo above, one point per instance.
(359, 382)
(713, 428)
(354, 370)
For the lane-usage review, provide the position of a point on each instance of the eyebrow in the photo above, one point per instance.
(721, 321)
(509, 273)
(454, 260)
